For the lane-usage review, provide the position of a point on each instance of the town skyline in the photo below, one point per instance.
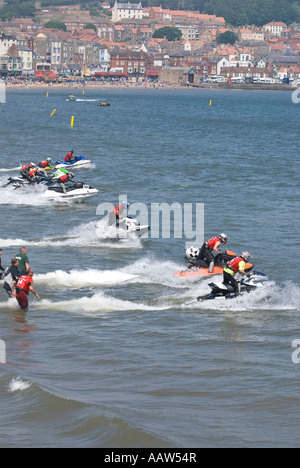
(120, 44)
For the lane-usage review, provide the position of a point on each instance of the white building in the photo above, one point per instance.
(5, 43)
(26, 58)
(127, 11)
(275, 28)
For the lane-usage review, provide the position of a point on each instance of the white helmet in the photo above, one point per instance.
(224, 238)
(246, 256)
(192, 253)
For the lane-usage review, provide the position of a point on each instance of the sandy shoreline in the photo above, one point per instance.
(158, 86)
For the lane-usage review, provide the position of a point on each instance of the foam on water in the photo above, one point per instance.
(84, 235)
(13, 169)
(18, 385)
(82, 279)
(98, 304)
(21, 196)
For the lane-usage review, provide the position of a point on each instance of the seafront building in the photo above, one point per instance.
(119, 44)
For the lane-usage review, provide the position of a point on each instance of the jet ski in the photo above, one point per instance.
(127, 226)
(200, 268)
(71, 97)
(79, 191)
(18, 182)
(221, 291)
(132, 226)
(80, 161)
(104, 104)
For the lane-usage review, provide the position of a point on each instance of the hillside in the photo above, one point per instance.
(236, 12)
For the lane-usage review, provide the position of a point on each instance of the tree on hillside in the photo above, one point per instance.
(56, 25)
(168, 32)
(228, 37)
(90, 26)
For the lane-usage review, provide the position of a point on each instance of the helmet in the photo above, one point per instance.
(32, 164)
(126, 204)
(192, 253)
(224, 238)
(246, 256)
(49, 159)
(71, 174)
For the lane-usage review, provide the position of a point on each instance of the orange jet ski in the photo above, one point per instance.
(200, 268)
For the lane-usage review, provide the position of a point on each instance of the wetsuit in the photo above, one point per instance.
(11, 276)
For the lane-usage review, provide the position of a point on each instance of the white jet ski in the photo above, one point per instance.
(132, 226)
(79, 191)
(80, 162)
(221, 291)
(127, 227)
(71, 97)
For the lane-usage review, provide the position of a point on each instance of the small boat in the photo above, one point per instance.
(71, 98)
(104, 104)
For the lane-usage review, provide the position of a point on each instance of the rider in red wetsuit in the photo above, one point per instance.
(70, 157)
(206, 252)
(23, 287)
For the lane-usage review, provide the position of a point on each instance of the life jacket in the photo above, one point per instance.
(33, 172)
(44, 164)
(119, 209)
(25, 168)
(235, 263)
(24, 282)
(64, 178)
(68, 157)
(213, 241)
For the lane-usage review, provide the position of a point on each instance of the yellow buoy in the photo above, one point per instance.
(53, 113)
(210, 102)
(72, 121)
(47, 94)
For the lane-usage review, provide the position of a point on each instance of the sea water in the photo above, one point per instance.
(118, 352)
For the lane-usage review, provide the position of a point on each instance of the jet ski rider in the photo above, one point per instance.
(237, 265)
(25, 171)
(44, 165)
(63, 178)
(70, 158)
(116, 214)
(212, 245)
